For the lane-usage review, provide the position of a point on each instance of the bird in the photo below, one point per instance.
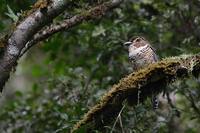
(141, 54)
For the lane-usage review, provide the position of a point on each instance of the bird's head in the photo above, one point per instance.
(136, 44)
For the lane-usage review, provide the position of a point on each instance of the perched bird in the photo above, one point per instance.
(141, 54)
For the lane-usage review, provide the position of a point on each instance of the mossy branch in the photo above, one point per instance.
(31, 29)
(152, 79)
(95, 12)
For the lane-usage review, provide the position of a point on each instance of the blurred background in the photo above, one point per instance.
(59, 79)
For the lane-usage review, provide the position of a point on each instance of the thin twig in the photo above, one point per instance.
(85, 88)
(118, 117)
(121, 125)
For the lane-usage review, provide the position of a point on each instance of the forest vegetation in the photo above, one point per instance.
(63, 66)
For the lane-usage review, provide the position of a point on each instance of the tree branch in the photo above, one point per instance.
(151, 79)
(93, 13)
(24, 32)
(33, 23)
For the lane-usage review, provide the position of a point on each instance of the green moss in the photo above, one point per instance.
(157, 75)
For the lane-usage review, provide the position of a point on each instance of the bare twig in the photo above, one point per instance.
(118, 118)
(85, 88)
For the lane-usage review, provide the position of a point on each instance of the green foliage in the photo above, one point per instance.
(80, 64)
(11, 14)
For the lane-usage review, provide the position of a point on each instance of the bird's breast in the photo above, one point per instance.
(142, 58)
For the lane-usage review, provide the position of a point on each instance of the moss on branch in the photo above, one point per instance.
(152, 79)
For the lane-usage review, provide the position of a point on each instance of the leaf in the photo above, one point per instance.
(99, 31)
(11, 14)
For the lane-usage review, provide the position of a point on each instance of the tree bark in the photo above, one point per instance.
(152, 79)
(30, 30)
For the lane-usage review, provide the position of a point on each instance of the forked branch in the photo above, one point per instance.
(31, 30)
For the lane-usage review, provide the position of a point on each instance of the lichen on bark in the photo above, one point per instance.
(154, 79)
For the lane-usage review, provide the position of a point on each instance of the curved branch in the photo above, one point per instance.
(24, 32)
(31, 26)
(152, 79)
(93, 13)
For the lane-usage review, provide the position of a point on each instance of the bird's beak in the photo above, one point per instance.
(127, 44)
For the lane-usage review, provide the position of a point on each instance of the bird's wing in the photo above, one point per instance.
(154, 55)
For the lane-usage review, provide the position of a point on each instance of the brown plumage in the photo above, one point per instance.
(141, 53)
